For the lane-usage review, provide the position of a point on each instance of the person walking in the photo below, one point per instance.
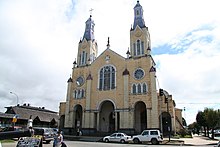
(58, 140)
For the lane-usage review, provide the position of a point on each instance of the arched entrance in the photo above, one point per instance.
(78, 116)
(166, 123)
(140, 116)
(107, 117)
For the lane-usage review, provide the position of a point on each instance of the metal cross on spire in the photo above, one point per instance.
(91, 11)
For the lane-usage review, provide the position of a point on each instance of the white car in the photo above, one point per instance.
(153, 136)
(117, 137)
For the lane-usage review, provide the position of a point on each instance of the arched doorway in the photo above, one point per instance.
(107, 117)
(166, 123)
(140, 116)
(78, 116)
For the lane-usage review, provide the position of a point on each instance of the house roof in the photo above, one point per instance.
(5, 115)
(25, 112)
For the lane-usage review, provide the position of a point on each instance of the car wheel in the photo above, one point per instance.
(136, 140)
(48, 141)
(154, 141)
(106, 140)
(122, 141)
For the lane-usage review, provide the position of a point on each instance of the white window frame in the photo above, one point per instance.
(103, 78)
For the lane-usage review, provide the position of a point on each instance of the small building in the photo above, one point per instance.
(41, 117)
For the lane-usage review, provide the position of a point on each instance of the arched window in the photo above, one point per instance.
(75, 94)
(80, 59)
(145, 88)
(82, 93)
(134, 45)
(79, 94)
(107, 78)
(139, 88)
(83, 57)
(142, 47)
(138, 47)
(134, 91)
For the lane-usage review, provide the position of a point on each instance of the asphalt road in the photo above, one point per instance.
(96, 144)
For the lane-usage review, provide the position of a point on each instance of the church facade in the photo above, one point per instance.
(109, 92)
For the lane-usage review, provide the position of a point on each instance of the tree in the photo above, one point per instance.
(201, 120)
(212, 119)
(184, 122)
(194, 127)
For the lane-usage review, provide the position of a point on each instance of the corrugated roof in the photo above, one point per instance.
(24, 112)
(5, 115)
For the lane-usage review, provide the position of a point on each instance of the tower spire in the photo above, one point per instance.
(89, 30)
(138, 16)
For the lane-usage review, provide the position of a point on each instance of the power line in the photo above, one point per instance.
(199, 103)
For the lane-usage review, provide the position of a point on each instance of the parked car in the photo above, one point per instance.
(117, 137)
(153, 136)
(47, 133)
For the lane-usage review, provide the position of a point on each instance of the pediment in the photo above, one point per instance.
(109, 56)
(84, 43)
(138, 31)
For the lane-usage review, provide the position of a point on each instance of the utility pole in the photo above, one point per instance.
(169, 127)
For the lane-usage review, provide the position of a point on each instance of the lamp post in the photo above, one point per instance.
(15, 95)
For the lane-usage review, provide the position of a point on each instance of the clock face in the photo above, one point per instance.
(139, 74)
(79, 81)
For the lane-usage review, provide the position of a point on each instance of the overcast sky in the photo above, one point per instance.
(39, 42)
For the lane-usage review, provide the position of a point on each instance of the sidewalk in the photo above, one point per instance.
(195, 141)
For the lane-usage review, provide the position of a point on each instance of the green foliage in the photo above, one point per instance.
(183, 133)
(209, 119)
(184, 122)
(200, 119)
(194, 127)
(7, 141)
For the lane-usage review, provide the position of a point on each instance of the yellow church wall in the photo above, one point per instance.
(62, 108)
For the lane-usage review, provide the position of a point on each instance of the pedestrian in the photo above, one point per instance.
(31, 130)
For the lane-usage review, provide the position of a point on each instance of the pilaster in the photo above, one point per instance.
(67, 111)
(154, 101)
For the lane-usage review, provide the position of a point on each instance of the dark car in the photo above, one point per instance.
(47, 133)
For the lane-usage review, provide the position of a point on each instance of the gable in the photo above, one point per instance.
(108, 57)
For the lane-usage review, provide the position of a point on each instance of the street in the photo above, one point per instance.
(195, 141)
(99, 144)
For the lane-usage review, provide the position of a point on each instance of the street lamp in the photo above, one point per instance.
(15, 95)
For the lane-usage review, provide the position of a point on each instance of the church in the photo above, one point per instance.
(109, 92)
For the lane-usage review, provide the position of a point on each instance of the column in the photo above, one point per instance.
(154, 99)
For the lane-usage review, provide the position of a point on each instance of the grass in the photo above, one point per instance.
(7, 141)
